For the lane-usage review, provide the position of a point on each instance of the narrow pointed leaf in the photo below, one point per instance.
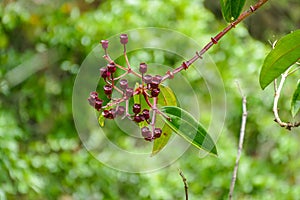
(231, 9)
(285, 54)
(295, 105)
(165, 98)
(187, 127)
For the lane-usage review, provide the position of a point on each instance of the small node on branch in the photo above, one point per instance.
(214, 40)
(170, 74)
(185, 65)
(252, 8)
(199, 55)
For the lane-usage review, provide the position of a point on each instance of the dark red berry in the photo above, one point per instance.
(155, 81)
(98, 104)
(136, 108)
(148, 79)
(112, 113)
(146, 114)
(94, 95)
(123, 38)
(104, 73)
(138, 118)
(104, 44)
(155, 92)
(107, 89)
(146, 133)
(143, 68)
(123, 84)
(157, 132)
(111, 67)
(129, 92)
(157, 78)
(105, 113)
(120, 110)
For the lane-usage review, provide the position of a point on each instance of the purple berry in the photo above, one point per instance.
(104, 73)
(112, 113)
(123, 39)
(148, 79)
(136, 108)
(155, 92)
(98, 104)
(120, 110)
(105, 113)
(111, 67)
(143, 68)
(157, 132)
(129, 92)
(146, 133)
(138, 118)
(123, 84)
(157, 78)
(104, 44)
(107, 89)
(94, 95)
(146, 114)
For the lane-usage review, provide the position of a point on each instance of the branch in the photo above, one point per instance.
(240, 147)
(287, 125)
(185, 184)
(214, 40)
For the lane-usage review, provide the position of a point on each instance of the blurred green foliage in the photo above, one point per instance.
(41, 156)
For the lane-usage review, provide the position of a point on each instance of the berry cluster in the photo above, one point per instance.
(149, 88)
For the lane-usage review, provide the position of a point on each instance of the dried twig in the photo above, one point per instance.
(185, 184)
(241, 141)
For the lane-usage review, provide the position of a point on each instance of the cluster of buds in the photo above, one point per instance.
(149, 88)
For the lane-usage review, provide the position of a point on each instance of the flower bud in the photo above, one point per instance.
(124, 39)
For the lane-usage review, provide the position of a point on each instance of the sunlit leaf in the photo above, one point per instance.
(101, 120)
(231, 9)
(165, 98)
(187, 127)
(285, 53)
(295, 105)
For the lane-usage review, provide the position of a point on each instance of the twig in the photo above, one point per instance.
(287, 125)
(214, 40)
(185, 184)
(241, 141)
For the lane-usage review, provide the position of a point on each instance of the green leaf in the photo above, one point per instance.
(231, 9)
(165, 98)
(295, 105)
(285, 53)
(101, 120)
(187, 127)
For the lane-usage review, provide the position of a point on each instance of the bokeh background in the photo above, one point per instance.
(42, 45)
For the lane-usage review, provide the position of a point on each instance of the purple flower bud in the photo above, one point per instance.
(98, 104)
(129, 92)
(157, 132)
(94, 95)
(104, 73)
(155, 92)
(104, 44)
(143, 68)
(123, 84)
(146, 133)
(107, 89)
(121, 110)
(146, 114)
(124, 39)
(111, 67)
(136, 108)
(148, 79)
